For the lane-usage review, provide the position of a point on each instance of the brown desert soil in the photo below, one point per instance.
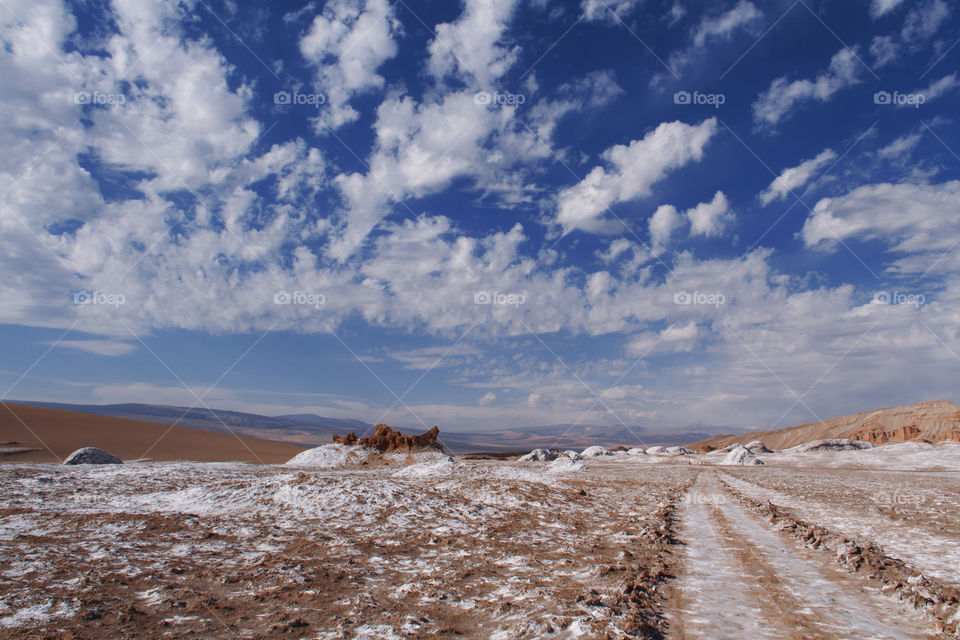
(50, 435)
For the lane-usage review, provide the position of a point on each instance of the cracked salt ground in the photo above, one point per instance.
(477, 551)
(742, 579)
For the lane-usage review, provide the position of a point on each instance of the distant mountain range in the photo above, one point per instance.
(308, 429)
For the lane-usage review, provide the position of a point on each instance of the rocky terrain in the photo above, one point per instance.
(935, 421)
(347, 541)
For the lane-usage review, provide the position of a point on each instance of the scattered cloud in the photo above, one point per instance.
(882, 7)
(632, 170)
(98, 347)
(783, 96)
(795, 177)
(723, 26)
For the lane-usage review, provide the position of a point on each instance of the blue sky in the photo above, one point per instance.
(482, 214)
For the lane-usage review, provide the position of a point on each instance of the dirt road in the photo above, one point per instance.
(742, 579)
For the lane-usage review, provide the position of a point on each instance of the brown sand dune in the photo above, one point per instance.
(933, 421)
(52, 434)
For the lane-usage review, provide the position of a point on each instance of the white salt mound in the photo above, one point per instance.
(563, 464)
(595, 452)
(757, 446)
(430, 465)
(92, 455)
(678, 451)
(831, 444)
(330, 456)
(538, 455)
(656, 451)
(741, 456)
(636, 451)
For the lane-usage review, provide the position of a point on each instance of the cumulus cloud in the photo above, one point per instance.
(783, 96)
(473, 45)
(631, 172)
(663, 223)
(487, 399)
(347, 43)
(674, 339)
(795, 177)
(710, 218)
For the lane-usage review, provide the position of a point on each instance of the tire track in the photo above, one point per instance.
(742, 579)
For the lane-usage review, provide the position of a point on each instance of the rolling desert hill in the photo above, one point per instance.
(933, 421)
(31, 430)
(305, 429)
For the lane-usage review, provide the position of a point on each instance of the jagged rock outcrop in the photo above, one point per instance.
(385, 439)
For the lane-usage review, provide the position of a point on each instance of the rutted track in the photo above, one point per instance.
(741, 578)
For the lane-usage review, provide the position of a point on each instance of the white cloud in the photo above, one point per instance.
(473, 44)
(676, 338)
(663, 223)
(924, 21)
(883, 7)
(722, 27)
(782, 97)
(795, 177)
(487, 399)
(710, 218)
(900, 148)
(633, 170)
(347, 43)
(99, 347)
(884, 50)
(909, 218)
(940, 87)
(609, 10)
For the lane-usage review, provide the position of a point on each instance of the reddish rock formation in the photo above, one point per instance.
(386, 439)
(350, 438)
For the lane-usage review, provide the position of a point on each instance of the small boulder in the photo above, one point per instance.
(92, 455)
